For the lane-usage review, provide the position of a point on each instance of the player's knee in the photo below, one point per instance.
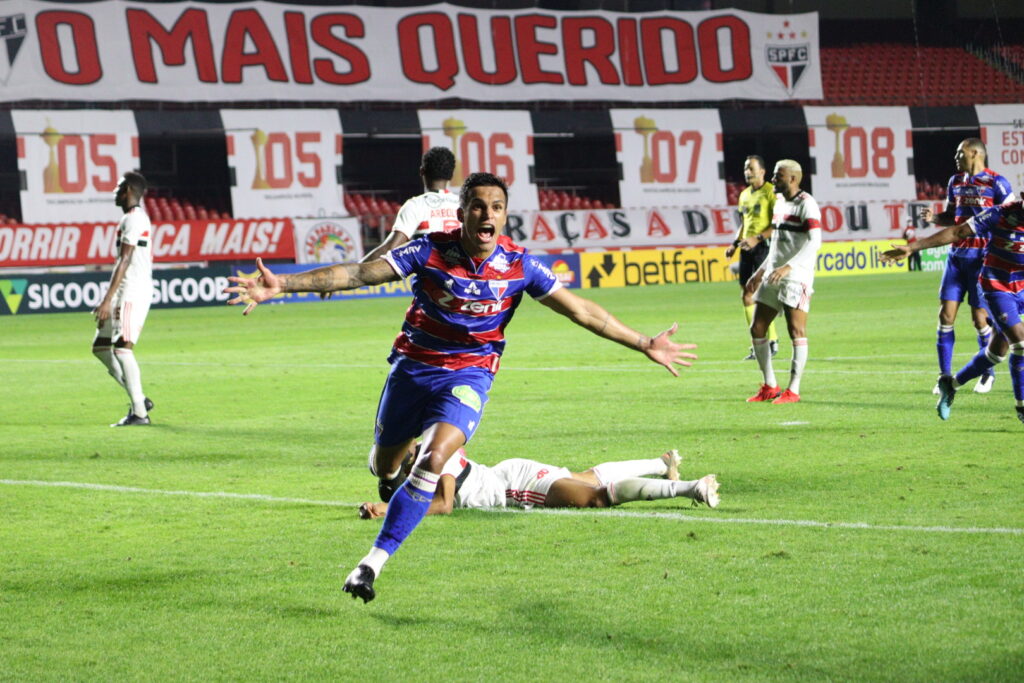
(599, 498)
(122, 344)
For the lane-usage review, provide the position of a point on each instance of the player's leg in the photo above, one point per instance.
(704, 490)
(667, 465)
(980, 318)
(103, 349)
(764, 313)
(796, 321)
(951, 293)
(130, 319)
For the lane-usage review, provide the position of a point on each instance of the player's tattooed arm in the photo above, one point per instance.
(339, 276)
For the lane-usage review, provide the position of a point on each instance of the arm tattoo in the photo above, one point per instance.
(607, 315)
(322, 280)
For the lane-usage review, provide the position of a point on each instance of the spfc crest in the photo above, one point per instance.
(12, 32)
(498, 288)
(789, 62)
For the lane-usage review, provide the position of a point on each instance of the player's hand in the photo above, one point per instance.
(927, 215)
(754, 282)
(663, 351)
(372, 510)
(749, 243)
(899, 252)
(779, 273)
(254, 290)
(730, 250)
(102, 313)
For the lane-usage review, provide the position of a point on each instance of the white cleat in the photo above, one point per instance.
(672, 460)
(984, 384)
(707, 491)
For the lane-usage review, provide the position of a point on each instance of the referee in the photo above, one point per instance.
(757, 202)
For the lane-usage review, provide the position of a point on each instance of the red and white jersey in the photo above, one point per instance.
(481, 487)
(136, 230)
(432, 211)
(797, 236)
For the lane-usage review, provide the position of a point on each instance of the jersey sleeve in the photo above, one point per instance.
(811, 213)
(1003, 190)
(950, 201)
(409, 219)
(982, 224)
(409, 258)
(137, 229)
(540, 281)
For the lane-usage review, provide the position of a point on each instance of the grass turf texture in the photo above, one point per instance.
(106, 584)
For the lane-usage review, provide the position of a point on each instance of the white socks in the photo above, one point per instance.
(132, 380)
(375, 560)
(106, 356)
(628, 490)
(610, 472)
(763, 353)
(799, 361)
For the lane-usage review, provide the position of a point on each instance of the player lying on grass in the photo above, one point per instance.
(1001, 280)
(519, 482)
(468, 285)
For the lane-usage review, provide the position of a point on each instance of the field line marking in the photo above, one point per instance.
(675, 516)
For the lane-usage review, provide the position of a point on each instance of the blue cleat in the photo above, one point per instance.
(946, 395)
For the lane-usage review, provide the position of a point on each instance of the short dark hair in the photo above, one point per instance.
(136, 181)
(438, 164)
(480, 180)
(757, 158)
(977, 144)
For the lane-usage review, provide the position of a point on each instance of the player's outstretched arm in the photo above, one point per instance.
(267, 284)
(947, 236)
(585, 313)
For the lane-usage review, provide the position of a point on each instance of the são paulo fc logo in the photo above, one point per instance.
(12, 32)
(787, 55)
(329, 242)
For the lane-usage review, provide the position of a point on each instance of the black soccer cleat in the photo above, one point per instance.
(148, 404)
(386, 487)
(360, 583)
(1020, 413)
(131, 420)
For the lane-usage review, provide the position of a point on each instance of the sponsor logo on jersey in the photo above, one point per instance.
(563, 271)
(500, 263)
(451, 255)
(471, 288)
(467, 396)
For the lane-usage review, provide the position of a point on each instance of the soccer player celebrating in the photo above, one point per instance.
(467, 287)
(122, 312)
(756, 206)
(783, 282)
(431, 211)
(1001, 282)
(518, 482)
(973, 189)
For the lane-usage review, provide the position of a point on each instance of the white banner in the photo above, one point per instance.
(496, 141)
(697, 225)
(285, 161)
(72, 161)
(185, 51)
(1002, 129)
(669, 157)
(327, 240)
(861, 152)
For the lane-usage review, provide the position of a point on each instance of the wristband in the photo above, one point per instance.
(736, 242)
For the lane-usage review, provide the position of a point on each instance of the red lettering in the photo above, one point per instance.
(651, 37)
(502, 164)
(542, 231)
(83, 37)
(444, 49)
(530, 48)
(192, 25)
(723, 224)
(831, 218)
(598, 55)
(308, 157)
(738, 40)
(895, 212)
(500, 40)
(248, 24)
(278, 177)
(472, 163)
(298, 46)
(75, 143)
(103, 161)
(629, 53)
(323, 36)
(594, 229)
(656, 226)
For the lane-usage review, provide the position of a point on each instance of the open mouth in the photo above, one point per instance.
(486, 231)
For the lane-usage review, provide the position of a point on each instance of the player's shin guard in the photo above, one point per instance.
(407, 509)
(106, 356)
(763, 353)
(796, 369)
(1017, 370)
(132, 380)
(944, 345)
(982, 363)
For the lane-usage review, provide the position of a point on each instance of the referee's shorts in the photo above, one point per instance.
(751, 260)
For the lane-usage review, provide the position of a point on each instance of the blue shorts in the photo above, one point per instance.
(416, 395)
(1005, 309)
(961, 279)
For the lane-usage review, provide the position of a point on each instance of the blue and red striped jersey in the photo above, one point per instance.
(967, 196)
(460, 307)
(1002, 269)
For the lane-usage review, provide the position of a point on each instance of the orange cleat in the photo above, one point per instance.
(765, 393)
(787, 397)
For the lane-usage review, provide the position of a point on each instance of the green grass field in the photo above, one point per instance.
(859, 538)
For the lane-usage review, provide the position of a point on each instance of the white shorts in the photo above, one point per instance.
(127, 321)
(791, 293)
(527, 482)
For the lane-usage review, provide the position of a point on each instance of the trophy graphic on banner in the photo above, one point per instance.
(646, 127)
(259, 145)
(454, 128)
(51, 174)
(837, 124)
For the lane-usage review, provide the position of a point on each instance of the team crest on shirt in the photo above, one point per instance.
(500, 263)
(498, 288)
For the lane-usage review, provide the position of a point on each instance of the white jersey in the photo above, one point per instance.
(432, 211)
(481, 487)
(797, 237)
(136, 230)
